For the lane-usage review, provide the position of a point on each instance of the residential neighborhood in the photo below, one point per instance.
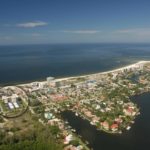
(104, 99)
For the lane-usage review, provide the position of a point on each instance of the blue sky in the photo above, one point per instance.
(74, 21)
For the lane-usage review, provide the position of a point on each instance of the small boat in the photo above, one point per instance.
(128, 128)
(92, 123)
(66, 122)
(73, 130)
(76, 114)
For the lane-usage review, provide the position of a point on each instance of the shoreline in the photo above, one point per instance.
(105, 72)
(134, 65)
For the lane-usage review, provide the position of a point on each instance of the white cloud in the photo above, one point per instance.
(36, 34)
(135, 31)
(124, 31)
(6, 38)
(32, 24)
(82, 31)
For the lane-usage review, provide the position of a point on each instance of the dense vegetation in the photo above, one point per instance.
(40, 140)
(46, 144)
(26, 133)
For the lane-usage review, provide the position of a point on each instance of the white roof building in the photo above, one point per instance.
(16, 105)
(11, 106)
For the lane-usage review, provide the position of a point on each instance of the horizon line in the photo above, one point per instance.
(62, 43)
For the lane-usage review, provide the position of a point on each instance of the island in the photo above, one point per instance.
(104, 99)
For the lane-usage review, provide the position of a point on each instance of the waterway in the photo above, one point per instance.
(137, 138)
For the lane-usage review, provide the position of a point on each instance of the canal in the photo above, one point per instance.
(137, 138)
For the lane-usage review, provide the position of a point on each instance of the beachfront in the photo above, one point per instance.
(102, 98)
(135, 65)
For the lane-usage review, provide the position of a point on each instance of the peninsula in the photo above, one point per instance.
(104, 99)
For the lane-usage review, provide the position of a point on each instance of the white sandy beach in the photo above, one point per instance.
(135, 65)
